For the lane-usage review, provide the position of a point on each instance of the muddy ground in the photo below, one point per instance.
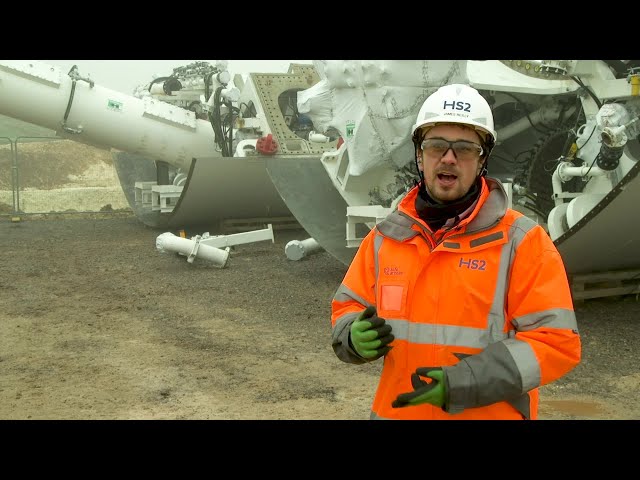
(97, 323)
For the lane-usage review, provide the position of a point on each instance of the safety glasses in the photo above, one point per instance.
(463, 150)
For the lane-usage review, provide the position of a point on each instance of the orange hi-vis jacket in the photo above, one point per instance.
(487, 300)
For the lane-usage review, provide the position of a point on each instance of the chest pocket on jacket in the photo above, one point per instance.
(392, 297)
(395, 269)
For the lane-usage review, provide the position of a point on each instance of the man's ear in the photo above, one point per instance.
(419, 159)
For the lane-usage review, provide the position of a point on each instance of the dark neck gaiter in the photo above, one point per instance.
(436, 214)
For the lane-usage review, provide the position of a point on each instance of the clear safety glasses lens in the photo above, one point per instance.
(463, 150)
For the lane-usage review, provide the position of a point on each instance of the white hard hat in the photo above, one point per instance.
(457, 103)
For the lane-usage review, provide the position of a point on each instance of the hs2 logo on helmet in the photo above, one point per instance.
(453, 105)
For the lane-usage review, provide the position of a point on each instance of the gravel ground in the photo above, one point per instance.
(96, 323)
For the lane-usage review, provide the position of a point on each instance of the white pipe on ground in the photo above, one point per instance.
(298, 249)
(168, 242)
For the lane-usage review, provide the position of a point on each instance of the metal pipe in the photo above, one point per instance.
(298, 249)
(541, 115)
(565, 171)
(191, 248)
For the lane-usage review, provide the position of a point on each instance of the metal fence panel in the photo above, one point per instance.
(50, 175)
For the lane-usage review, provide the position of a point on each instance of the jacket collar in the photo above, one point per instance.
(490, 207)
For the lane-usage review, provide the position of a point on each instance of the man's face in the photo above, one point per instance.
(449, 178)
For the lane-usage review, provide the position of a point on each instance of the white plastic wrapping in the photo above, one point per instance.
(373, 104)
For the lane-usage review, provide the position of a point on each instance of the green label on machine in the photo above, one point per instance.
(351, 126)
(114, 105)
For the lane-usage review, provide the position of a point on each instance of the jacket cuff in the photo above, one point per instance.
(458, 383)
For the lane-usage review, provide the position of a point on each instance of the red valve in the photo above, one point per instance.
(267, 145)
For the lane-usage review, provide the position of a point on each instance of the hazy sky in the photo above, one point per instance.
(125, 75)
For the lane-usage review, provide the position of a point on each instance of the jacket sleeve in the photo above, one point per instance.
(542, 341)
(355, 293)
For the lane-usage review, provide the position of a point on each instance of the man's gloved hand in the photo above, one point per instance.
(370, 335)
(434, 392)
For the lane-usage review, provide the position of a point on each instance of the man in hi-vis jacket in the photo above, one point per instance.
(467, 301)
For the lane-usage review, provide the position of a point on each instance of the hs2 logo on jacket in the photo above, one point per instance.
(472, 264)
(392, 271)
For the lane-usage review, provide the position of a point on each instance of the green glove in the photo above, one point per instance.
(434, 392)
(370, 335)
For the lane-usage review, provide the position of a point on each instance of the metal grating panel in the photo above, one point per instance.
(269, 87)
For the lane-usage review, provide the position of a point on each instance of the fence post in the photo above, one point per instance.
(14, 180)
